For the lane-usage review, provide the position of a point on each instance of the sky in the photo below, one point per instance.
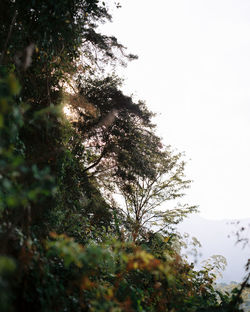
(194, 71)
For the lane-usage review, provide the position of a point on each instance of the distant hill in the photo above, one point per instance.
(215, 240)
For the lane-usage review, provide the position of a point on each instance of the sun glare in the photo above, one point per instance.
(67, 111)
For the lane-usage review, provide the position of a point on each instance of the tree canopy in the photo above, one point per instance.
(66, 242)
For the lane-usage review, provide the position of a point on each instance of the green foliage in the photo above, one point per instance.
(234, 288)
(7, 268)
(66, 245)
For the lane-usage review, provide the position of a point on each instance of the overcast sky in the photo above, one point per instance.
(194, 69)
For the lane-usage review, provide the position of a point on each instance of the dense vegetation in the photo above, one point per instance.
(82, 228)
(228, 288)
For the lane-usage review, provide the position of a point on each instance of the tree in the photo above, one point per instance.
(53, 175)
(44, 43)
(145, 195)
(122, 151)
(117, 133)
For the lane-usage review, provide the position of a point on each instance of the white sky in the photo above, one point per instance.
(194, 69)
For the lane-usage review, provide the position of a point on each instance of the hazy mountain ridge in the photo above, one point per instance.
(218, 237)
